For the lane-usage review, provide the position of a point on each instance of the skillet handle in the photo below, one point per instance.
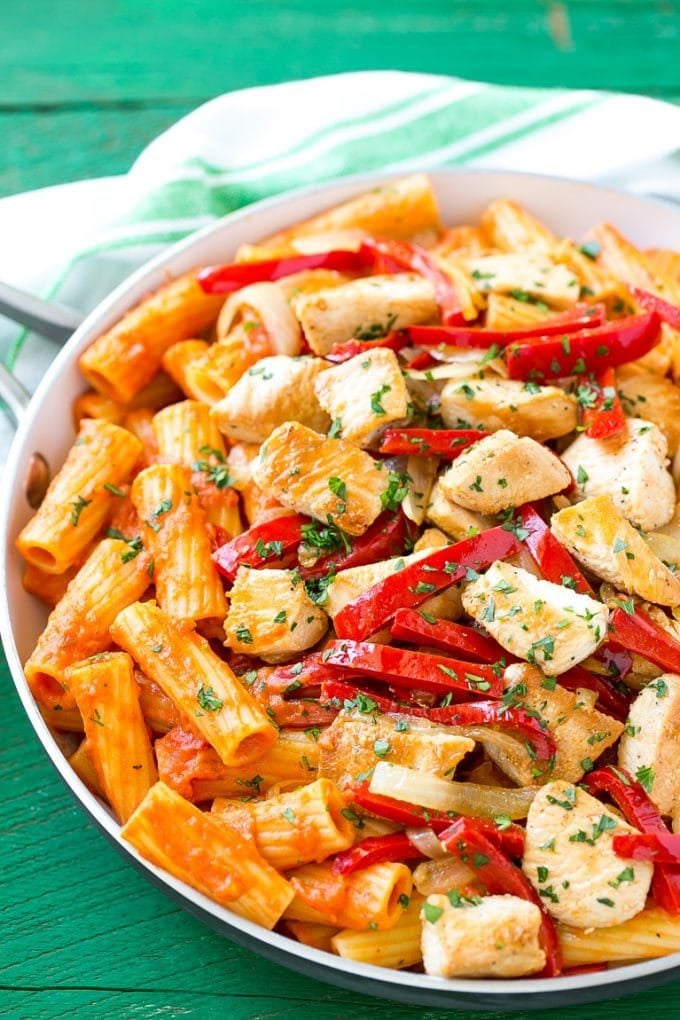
(13, 394)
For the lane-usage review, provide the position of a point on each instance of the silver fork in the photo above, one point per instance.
(54, 322)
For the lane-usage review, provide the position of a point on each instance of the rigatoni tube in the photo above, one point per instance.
(370, 898)
(173, 834)
(80, 497)
(118, 740)
(112, 578)
(197, 680)
(293, 828)
(188, 586)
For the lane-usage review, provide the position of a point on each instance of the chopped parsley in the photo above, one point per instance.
(208, 700)
(78, 507)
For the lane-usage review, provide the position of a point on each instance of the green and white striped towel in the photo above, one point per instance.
(248, 145)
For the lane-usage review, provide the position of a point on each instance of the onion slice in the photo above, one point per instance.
(469, 799)
(427, 843)
(268, 302)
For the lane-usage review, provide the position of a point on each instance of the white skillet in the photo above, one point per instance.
(570, 208)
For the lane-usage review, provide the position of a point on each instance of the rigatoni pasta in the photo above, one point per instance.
(174, 835)
(117, 738)
(115, 575)
(186, 581)
(197, 680)
(80, 497)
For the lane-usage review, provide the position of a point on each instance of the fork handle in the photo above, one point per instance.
(53, 321)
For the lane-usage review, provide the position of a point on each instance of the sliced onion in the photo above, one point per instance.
(440, 876)
(269, 303)
(428, 844)
(422, 472)
(428, 791)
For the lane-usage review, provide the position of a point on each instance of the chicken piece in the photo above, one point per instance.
(366, 308)
(493, 936)
(356, 741)
(503, 470)
(273, 391)
(329, 479)
(650, 745)
(363, 395)
(541, 412)
(563, 627)
(607, 545)
(511, 227)
(532, 275)
(271, 615)
(569, 860)
(631, 467)
(431, 538)
(653, 397)
(452, 518)
(580, 732)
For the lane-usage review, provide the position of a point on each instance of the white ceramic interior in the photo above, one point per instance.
(568, 207)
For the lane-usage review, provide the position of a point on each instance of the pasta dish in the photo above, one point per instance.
(363, 574)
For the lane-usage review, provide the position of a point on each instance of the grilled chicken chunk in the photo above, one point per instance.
(363, 395)
(452, 518)
(503, 471)
(365, 308)
(581, 733)
(541, 412)
(533, 275)
(271, 615)
(569, 860)
(548, 625)
(356, 741)
(650, 745)
(631, 467)
(273, 391)
(329, 479)
(604, 542)
(496, 936)
(653, 398)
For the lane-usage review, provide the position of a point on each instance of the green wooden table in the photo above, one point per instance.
(85, 85)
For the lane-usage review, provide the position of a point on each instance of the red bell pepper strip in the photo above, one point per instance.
(418, 360)
(350, 348)
(400, 256)
(413, 627)
(636, 632)
(497, 872)
(478, 713)
(662, 848)
(273, 543)
(445, 443)
(386, 537)
(419, 670)
(609, 699)
(395, 846)
(552, 558)
(228, 278)
(510, 837)
(638, 810)
(375, 607)
(606, 417)
(664, 309)
(579, 317)
(590, 350)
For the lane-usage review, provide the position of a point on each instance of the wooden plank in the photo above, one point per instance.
(43, 147)
(103, 52)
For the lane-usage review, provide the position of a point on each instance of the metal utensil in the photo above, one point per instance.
(56, 323)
